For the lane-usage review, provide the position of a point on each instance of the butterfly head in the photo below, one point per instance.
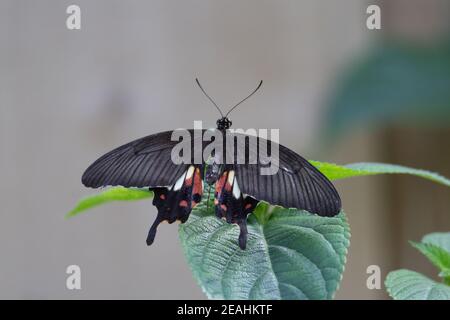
(224, 123)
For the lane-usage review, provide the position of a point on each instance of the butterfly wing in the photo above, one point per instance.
(145, 162)
(177, 201)
(231, 204)
(296, 183)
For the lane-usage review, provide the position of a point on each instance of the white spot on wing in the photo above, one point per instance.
(230, 177)
(236, 190)
(190, 172)
(179, 182)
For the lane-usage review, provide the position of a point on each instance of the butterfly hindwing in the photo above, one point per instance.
(230, 203)
(176, 202)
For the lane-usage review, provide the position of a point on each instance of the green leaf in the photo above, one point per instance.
(440, 239)
(335, 172)
(109, 195)
(409, 285)
(436, 247)
(290, 254)
(437, 256)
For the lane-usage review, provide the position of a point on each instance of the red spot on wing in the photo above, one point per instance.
(188, 182)
(220, 183)
(248, 206)
(162, 197)
(198, 186)
(223, 207)
(183, 203)
(227, 186)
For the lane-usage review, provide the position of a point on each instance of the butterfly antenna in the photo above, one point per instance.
(254, 91)
(210, 99)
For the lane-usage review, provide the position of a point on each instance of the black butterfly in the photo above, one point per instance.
(178, 188)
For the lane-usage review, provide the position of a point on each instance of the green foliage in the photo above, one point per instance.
(409, 285)
(440, 239)
(393, 83)
(109, 195)
(335, 172)
(437, 256)
(290, 254)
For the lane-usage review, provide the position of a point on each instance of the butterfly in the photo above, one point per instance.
(238, 185)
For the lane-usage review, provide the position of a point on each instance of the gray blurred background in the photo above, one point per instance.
(66, 97)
